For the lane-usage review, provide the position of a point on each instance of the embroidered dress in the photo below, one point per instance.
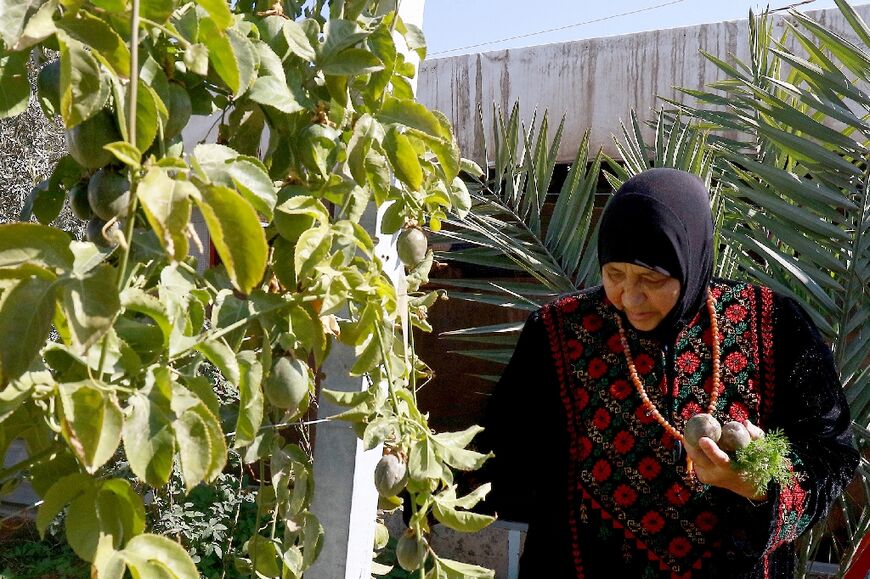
(605, 488)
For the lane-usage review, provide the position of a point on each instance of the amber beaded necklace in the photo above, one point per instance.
(638, 384)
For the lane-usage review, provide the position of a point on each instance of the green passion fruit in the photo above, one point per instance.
(109, 194)
(411, 246)
(78, 201)
(94, 232)
(288, 383)
(48, 88)
(391, 475)
(411, 551)
(86, 140)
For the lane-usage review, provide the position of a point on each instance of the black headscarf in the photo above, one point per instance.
(661, 219)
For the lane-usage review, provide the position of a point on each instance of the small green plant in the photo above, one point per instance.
(765, 459)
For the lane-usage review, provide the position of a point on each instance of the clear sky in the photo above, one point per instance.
(451, 24)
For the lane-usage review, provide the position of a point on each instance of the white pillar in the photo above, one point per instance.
(345, 500)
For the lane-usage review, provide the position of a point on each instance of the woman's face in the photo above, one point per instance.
(646, 296)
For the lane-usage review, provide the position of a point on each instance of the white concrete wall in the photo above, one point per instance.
(595, 83)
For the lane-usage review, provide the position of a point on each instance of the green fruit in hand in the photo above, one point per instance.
(78, 201)
(94, 232)
(702, 425)
(734, 436)
(411, 246)
(85, 141)
(288, 383)
(179, 110)
(109, 194)
(391, 475)
(411, 551)
(48, 88)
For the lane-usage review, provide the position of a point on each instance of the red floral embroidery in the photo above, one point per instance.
(708, 386)
(573, 349)
(652, 522)
(621, 389)
(649, 468)
(688, 362)
(643, 415)
(691, 409)
(592, 322)
(568, 305)
(679, 547)
(581, 399)
(677, 495)
(601, 419)
(706, 521)
(623, 442)
(597, 368)
(583, 448)
(735, 361)
(624, 496)
(643, 363)
(738, 411)
(601, 470)
(735, 313)
(614, 344)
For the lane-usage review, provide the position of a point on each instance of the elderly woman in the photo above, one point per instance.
(587, 420)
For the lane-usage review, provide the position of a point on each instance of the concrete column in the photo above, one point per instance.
(345, 500)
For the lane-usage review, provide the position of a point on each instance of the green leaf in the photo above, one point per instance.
(83, 92)
(13, 15)
(219, 11)
(34, 244)
(265, 556)
(340, 34)
(403, 157)
(298, 41)
(105, 44)
(126, 153)
(422, 462)
(273, 92)
(14, 86)
(91, 422)
(457, 570)
(18, 391)
(155, 10)
(26, 312)
(459, 439)
(90, 303)
(462, 521)
(217, 446)
(218, 353)
(312, 249)
(221, 54)
(414, 115)
(194, 444)
(59, 496)
(237, 235)
(153, 556)
(44, 201)
(351, 62)
(150, 112)
(251, 399)
(167, 206)
(252, 181)
(149, 440)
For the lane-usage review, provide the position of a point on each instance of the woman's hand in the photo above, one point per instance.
(713, 466)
